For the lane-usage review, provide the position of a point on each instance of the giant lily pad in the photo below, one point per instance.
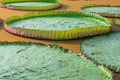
(57, 25)
(108, 11)
(104, 49)
(31, 4)
(31, 61)
(116, 22)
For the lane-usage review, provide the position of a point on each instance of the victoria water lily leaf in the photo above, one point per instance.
(31, 61)
(116, 21)
(108, 11)
(116, 24)
(58, 25)
(31, 4)
(104, 49)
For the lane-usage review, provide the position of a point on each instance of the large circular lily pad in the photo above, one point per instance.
(104, 49)
(108, 11)
(58, 25)
(30, 61)
(31, 4)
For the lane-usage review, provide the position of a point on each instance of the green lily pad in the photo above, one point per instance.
(31, 4)
(58, 25)
(104, 49)
(32, 61)
(104, 10)
(116, 25)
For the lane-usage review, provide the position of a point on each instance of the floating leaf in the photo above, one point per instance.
(31, 4)
(105, 50)
(104, 10)
(58, 25)
(32, 61)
